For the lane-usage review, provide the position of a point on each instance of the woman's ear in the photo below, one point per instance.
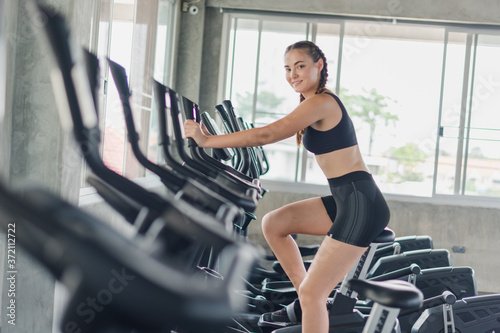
(320, 64)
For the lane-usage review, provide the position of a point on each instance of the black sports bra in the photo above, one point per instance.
(339, 137)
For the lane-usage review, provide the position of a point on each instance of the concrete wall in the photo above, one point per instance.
(35, 150)
(481, 11)
(449, 224)
(189, 57)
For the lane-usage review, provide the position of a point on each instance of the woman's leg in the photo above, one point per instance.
(303, 217)
(332, 262)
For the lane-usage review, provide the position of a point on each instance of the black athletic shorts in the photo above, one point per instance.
(357, 208)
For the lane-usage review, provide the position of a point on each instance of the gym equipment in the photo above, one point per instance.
(344, 299)
(114, 283)
(389, 297)
(428, 258)
(468, 315)
(285, 292)
(247, 199)
(399, 246)
(78, 101)
(225, 177)
(191, 111)
(185, 188)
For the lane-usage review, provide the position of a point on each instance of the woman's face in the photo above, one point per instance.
(302, 73)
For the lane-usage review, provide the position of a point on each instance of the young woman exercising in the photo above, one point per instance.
(351, 217)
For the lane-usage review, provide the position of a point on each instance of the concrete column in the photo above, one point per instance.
(189, 53)
(34, 150)
(212, 39)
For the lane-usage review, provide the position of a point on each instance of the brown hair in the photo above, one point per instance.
(315, 53)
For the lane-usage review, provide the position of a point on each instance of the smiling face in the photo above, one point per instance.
(302, 73)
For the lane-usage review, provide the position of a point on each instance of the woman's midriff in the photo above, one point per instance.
(340, 162)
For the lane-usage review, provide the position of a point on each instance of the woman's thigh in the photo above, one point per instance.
(303, 217)
(331, 263)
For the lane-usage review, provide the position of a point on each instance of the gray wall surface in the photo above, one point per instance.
(481, 11)
(475, 228)
(35, 150)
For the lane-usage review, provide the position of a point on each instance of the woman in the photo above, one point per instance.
(355, 213)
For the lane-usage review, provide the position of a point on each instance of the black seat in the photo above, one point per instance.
(429, 258)
(392, 293)
(403, 244)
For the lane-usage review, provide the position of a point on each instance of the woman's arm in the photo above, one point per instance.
(205, 131)
(308, 112)
(245, 138)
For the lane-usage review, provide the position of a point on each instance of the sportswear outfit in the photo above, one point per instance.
(356, 207)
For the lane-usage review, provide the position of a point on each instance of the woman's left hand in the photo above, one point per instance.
(193, 130)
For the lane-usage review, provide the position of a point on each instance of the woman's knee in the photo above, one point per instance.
(268, 224)
(312, 294)
(272, 224)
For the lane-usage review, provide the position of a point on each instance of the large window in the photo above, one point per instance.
(138, 35)
(469, 132)
(424, 98)
(390, 82)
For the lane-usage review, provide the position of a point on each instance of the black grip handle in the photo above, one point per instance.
(192, 143)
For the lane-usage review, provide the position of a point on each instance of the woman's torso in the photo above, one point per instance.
(336, 149)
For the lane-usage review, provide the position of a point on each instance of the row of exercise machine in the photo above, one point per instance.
(188, 266)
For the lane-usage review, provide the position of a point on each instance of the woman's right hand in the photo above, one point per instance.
(193, 130)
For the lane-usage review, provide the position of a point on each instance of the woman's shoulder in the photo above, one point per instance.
(326, 109)
(326, 98)
(330, 95)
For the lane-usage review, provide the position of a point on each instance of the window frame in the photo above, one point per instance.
(87, 193)
(312, 21)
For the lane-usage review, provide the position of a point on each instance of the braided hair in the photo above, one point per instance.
(315, 53)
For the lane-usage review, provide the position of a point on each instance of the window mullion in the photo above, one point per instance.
(222, 91)
(232, 57)
(105, 74)
(463, 111)
(257, 66)
(297, 164)
(304, 164)
(312, 29)
(440, 114)
(131, 78)
(339, 58)
(471, 97)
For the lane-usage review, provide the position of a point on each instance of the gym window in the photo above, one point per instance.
(137, 34)
(424, 98)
